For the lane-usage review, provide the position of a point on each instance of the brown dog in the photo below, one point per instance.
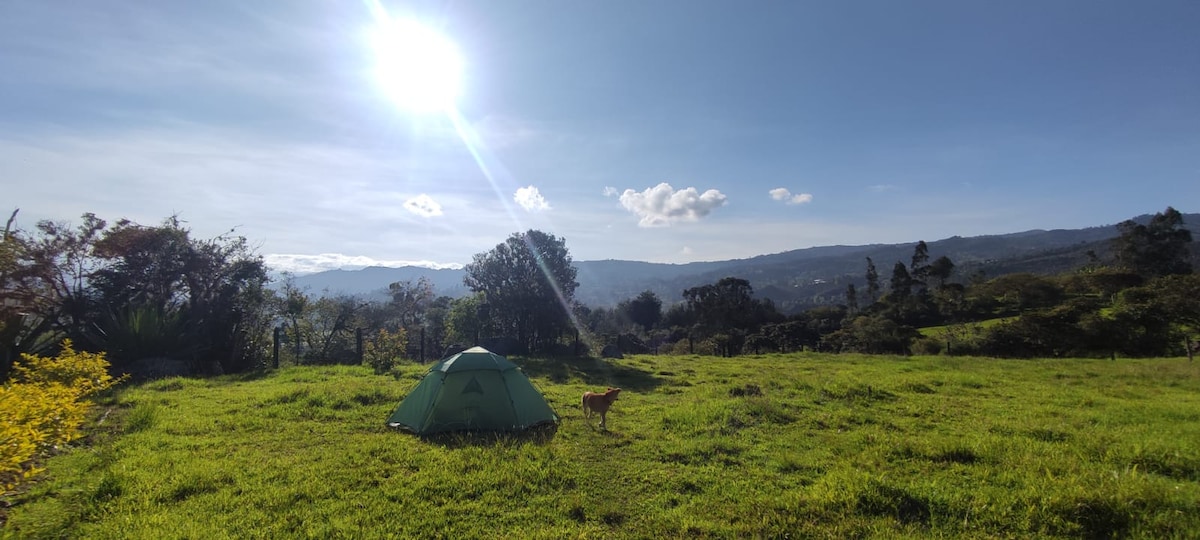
(599, 403)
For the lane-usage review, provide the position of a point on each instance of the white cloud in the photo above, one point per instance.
(686, 251)
(308, 264)
(661, 205)
(610, 191)
(530, 199)
(782, 194)
(881, 188)
(423, 205)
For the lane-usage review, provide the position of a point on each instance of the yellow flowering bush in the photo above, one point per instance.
(43, 406)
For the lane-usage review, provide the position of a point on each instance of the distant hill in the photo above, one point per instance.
(795, 280)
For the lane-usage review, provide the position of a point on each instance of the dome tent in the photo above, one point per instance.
(474, 390)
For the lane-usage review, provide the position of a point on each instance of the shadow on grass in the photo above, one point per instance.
(540, 435)
(234, 378)
(591, 371)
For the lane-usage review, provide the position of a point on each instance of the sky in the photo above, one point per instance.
(662, 131)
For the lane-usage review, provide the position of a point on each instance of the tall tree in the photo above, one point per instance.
(901, 284)
(851, 298)
(919, 269)
(1158, 248)
(410, 301)
(941, 269)
(872, 281)
(529, 283)
(645, 310)
(725, 304)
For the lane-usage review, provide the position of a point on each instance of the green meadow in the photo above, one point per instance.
(774, 446)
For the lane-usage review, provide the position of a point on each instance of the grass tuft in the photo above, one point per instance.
(141, 418)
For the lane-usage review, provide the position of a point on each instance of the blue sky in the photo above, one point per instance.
(658, 131)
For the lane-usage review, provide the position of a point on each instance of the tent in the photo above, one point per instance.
(474, 390)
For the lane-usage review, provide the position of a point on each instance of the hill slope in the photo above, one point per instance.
(794, 279)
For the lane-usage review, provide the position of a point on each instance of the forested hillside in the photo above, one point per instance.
(794, 280)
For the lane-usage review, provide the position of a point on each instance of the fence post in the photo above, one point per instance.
(275, 347)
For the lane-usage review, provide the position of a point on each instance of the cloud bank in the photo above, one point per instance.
(531, 199)
(309, 264)
(662, 206)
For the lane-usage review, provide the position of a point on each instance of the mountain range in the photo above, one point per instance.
(794, 280)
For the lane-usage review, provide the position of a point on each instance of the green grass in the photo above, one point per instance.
(940, 331)
(803, 445)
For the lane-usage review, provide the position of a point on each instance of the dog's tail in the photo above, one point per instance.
(583, 401)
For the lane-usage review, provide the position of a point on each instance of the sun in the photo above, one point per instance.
(416, 67)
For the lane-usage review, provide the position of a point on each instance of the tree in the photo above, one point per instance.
(872, 335)
(410, 301)
(941, 269)
(919, 267)
(900, 285)
(330, 336)
(723, 305)
(851, 298)
(872, 281)
(645, 310)
(529, 283)
(1158, 248)
(216, 287)
(293, 305)
(462, 320)
(53, 276)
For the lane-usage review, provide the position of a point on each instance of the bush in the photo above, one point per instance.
(383, 350)
(927, 346)
(43, 407)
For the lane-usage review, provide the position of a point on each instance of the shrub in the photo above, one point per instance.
(927, 345)
(383, 349)
(43, 407)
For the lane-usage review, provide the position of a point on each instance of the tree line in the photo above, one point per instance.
(156, 298)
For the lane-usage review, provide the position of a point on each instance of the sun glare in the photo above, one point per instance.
(418, 68)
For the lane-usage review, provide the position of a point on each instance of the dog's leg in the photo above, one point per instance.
(603, 420)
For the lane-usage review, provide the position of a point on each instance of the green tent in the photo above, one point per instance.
(473, 390)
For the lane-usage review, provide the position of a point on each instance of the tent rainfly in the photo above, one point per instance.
(474, 390)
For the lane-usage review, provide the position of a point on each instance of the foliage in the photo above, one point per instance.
(330, 330)
(529, 284)
(146, 332)
(802, 445)
(384, 348)
(94, 283)
(43, 407)
(463, 323)
(645, 310)
(1158, 248)
(409, 302)
(872, 281)
(726, 312)
(872, 335)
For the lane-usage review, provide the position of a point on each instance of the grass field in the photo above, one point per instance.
(940, 331)
(772, 446)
